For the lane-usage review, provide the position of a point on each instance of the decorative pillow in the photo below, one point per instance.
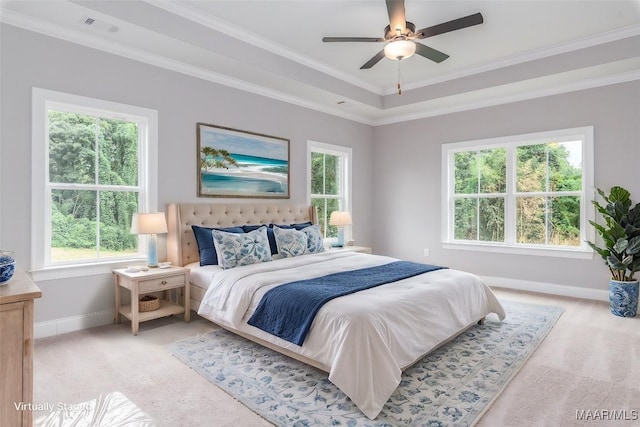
(272, 238)
(242, 249)
(206, 248)
(299, 226)
(315, 243)
(291, 242)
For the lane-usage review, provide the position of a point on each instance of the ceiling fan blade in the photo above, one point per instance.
(397, 16)
(373, 61)
(353, 39)
(430, 53)
(456, 24)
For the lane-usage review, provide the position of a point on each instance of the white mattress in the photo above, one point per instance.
(202, 276)
(381, 330)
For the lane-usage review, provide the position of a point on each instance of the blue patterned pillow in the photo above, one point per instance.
(272, 238)
(242, 249)
(315, 243)
(270, 235)
(291, 242)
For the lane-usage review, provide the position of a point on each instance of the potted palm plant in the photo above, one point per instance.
(621, 251)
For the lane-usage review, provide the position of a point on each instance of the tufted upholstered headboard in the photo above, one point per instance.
(182, 248)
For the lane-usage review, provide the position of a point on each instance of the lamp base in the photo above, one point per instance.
(340, 242)
(152, 251)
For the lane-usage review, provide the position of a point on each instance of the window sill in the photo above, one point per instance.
(521, 250)
(81, 270)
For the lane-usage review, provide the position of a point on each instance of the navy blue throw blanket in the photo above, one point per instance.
(288, 310)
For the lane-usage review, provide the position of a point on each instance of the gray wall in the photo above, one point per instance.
(407, 176)
(30, 59)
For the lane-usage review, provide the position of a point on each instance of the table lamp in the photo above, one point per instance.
(340, 219)
(151, 224)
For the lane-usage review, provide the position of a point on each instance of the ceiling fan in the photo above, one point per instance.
(400, 36)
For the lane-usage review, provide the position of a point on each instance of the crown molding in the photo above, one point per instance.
(532, 94)
(222, 26)
(39, 26)
(532, 55)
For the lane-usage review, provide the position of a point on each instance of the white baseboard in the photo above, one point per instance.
(548, 288)
(73, 323)
(100, 318)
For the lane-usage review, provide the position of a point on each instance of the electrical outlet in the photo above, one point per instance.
(426, 252)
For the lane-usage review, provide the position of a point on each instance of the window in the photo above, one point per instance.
(328, 182)
(92, 169)
(523, 194)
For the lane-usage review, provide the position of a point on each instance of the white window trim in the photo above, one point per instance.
(345, 177)
(42, 101)
(586, 230)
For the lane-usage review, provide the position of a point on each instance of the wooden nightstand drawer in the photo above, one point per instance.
(162, 283)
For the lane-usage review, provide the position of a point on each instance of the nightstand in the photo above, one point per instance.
(145, 282)
(363, 249)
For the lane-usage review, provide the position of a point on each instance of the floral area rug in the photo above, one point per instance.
(452, 386)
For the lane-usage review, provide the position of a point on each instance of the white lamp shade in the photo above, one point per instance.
(399, 49)
(340, 219)
(148, 223)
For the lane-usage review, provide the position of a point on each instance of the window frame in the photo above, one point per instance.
(587, 211)
(43, 100)
(344, 196)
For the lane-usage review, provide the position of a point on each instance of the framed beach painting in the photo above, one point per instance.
(235, 163)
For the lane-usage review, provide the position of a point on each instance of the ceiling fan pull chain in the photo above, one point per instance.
(399, 79)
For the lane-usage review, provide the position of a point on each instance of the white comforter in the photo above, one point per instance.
(364, 339)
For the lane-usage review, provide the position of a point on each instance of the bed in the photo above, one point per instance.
(363, 340)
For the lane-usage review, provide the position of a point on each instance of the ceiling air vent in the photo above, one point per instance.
(98, 25)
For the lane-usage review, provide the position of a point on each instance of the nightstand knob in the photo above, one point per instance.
(164, 282)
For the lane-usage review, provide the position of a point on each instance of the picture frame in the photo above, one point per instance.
(237, 163)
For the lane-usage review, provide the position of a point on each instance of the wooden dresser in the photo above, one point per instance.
(16, 350)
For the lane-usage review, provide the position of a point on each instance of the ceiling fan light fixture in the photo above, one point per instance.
(399, 49)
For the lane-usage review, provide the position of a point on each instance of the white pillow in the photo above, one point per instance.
(290, 241)
(242, 249)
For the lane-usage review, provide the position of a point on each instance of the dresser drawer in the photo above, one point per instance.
(153, 285)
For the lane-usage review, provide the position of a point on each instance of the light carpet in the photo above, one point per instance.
(453, 385)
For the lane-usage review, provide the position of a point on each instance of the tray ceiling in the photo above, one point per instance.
(524, 49)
